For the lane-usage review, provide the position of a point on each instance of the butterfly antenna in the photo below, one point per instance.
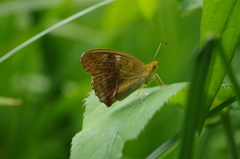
(158, 52)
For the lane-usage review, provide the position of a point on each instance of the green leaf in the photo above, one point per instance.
(226, 91)
(220, 18)
(221, 106)
(227, 125)
(230, 72)
(10, 101)
(164, 147)
(191, 4)
(117, 9)
(105, 129)
(148, 8)
(224, 98)
(196, 99)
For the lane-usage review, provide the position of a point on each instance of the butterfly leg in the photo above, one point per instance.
(158, 83)
(138, 91)
(161, 82)
(142, 95)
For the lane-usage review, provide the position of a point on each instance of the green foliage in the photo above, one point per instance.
(220, 20)
(196, 99)
(43, 84)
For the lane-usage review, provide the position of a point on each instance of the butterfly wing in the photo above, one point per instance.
(115, 74)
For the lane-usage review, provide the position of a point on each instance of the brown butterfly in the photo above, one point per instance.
(115, 74)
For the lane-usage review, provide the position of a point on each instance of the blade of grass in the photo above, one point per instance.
(202, 146)
(221, 106)
(229, 134)
(53, 27)
(229, 71)
(161, 149)
(196, 99)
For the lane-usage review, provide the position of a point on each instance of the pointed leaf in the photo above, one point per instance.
(105, 129)
(220, 18)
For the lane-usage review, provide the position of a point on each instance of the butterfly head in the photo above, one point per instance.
(153, 66)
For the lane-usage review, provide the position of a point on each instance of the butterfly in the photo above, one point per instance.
(115, 74)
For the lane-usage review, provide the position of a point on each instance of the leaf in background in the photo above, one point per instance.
(220, 18)
(191, 4)
(106, 129)
(148, 8)
(181, 98)
(10, 101)
(226, 91)
(117, 9)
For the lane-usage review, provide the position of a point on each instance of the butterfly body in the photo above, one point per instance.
(115, 75)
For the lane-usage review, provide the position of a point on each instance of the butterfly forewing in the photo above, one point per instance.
(115, 74)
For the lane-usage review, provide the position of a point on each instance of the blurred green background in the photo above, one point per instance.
(48, 78)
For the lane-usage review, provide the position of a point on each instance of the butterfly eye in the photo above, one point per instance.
(153, 67)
